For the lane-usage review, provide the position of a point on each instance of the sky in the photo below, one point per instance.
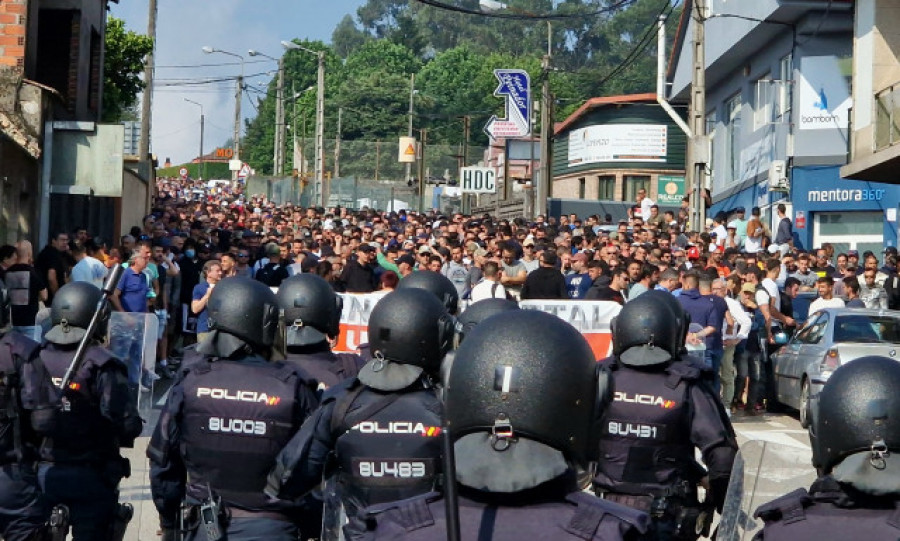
(185, 26)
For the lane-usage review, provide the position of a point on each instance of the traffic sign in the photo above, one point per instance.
(407, 150)
(244, 172)
(515, 87)
(183, 172)
(477, 180)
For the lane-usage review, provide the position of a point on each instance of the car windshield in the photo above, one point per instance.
(866, 329)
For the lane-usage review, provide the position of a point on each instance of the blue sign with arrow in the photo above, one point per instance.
(515, 87)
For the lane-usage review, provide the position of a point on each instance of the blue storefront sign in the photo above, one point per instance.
(821, 189)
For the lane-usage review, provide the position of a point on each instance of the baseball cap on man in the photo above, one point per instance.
(272, 249)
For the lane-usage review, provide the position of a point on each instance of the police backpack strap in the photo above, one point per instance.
(349, 364)
(340, 421)
(591, 511)
(788, 509)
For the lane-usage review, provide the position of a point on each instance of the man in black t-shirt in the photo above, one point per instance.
(26, 290)
(51, 265)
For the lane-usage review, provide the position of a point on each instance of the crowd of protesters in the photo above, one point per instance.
(736, 278)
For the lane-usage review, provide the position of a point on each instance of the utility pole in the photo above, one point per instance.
(321, 195)
(238, 96)
(424, 136)
(279, 121)
(202, 165)
(337, 145)
(543, 187)
(147, 102)
(466, 197)
(698, 147)
(409, 129)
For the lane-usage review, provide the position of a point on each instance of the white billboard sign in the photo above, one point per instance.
(618, 143)
(825, 97)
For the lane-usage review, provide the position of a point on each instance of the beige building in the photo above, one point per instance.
(875, 120)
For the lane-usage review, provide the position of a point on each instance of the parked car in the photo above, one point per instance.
(830, 338)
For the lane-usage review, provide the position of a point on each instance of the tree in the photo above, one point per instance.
(347, 38)
(124, 64)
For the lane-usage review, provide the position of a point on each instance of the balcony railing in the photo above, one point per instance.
(887, 117)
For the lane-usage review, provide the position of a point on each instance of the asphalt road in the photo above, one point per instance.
(781, 429)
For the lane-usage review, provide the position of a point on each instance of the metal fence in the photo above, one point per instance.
(367, 173)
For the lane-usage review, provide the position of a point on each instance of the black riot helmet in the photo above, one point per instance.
(858, 411)
(479, 311)
(5, 307)
(310, 310)
(71, 313)
(525, 374)
(244, 308)
(410, 331)
(437, 284)
(649, 330)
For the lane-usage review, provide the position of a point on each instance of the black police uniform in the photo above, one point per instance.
(28, 403)
(218, 434)
(320, 368)
(382, 427)
(385, 446)
(854, 435)
(521, 404)
(80, 462)
(649, 433)
(661, 409)
(226, 417)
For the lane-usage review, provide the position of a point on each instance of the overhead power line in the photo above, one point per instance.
(526, 16)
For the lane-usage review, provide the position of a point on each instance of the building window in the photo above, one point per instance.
(57, 52)
(633, 183)
(732, 123)
(581, 187)
(606, 188)
(785, 86)
(765, 97)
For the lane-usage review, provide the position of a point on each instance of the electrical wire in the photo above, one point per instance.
(527, 16)
(642, 44)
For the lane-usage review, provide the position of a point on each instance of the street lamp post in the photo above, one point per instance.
(202, 167)
(278, 157)
(320, 191)
(238, 96)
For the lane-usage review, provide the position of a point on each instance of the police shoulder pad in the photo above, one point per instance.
(21, 346)
(101, 357)
(787, 507)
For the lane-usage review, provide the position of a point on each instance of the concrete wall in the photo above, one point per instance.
(18, 197)
(876, 66)
(133, 203)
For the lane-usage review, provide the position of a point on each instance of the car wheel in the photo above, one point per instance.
(804, 404)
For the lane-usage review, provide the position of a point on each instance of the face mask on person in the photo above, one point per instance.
(190, 253)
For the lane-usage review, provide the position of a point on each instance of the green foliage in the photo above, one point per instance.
(122, 69)
(453, 57)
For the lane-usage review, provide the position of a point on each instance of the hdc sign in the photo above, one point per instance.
(477, 180)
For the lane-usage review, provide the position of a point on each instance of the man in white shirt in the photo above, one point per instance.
(732, 335)
(645, 203)
(826, 299)
(489, 287)
(87, 268)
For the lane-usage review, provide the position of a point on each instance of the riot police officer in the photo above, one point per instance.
(855, 437)
(224, 421)
(80, 461)
(310, 316)
(381, 427)
(28, 403)
(521, 407)
(662, 408)
(480, 311)
(437, 284)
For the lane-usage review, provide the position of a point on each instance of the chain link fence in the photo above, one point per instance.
(368, 173)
